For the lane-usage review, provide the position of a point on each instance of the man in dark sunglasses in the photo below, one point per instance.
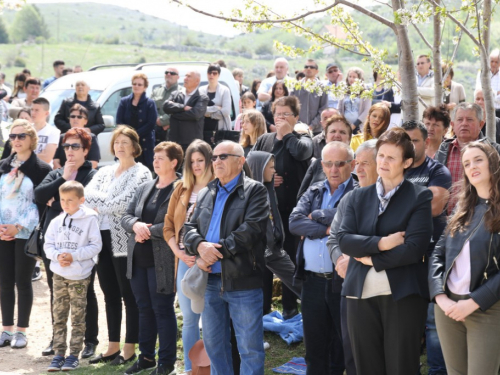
(160, 95)
(312, 99)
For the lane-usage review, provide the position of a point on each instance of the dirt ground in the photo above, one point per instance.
(29, 360)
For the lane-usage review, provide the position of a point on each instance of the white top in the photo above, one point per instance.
(47, 135)
(459, 279)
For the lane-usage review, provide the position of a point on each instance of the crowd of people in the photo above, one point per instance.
(387, 232)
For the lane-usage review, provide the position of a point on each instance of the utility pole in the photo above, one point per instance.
(58, 26)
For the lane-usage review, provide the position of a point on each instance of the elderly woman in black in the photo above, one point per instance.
(20, 173)
(151, 263)
(386, 230)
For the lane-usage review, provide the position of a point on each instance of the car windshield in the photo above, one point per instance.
(55, 97)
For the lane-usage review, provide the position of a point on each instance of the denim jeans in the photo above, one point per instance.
(322, 332)
(435, 360)
(190, 320)
(156, 317)
(245, 309)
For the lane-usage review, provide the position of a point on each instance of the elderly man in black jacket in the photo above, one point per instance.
(186, 108)
(227, 233)
(321, 288)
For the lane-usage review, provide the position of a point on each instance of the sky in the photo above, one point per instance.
(186, 17)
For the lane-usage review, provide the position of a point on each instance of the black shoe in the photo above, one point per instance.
(140, 365)
(289, 314)
(48, 350)
(164, 370)
(119, 360)
(104, 359)
(37, 274)
(89, 350)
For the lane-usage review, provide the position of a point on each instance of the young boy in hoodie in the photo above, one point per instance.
(72, 243)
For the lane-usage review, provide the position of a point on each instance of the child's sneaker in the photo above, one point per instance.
(19, 340)
(56, 364)
(5, 339)
(71, 363)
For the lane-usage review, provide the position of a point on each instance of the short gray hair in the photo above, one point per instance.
(370, 145)
(468, 107)
(337, 144)
(281, 59)
(237, 148)
(495, 54)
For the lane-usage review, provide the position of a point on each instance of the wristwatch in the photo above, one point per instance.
(18, 227)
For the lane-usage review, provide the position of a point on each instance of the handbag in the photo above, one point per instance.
(34, 245)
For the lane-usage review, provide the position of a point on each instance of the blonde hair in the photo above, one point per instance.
(131, 134)
(143, 77)
(72, 186)
(28, 129)
(258, 121)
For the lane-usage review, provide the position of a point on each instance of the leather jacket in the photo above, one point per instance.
(95, 121)
(242, 232)
(484, 258)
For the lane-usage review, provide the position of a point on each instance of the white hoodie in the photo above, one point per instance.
(77, 234)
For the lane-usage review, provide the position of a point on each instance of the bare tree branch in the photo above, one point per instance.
(368, 13)
(455, 51)
(422, 36)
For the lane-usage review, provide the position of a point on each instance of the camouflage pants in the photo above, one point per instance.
(69, 294)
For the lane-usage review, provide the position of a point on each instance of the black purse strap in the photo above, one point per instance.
(42, 219)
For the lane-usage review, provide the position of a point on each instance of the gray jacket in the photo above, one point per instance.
(163, 255)
(222, 99)
(312, 103)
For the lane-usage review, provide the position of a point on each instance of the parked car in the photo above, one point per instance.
(109, 83)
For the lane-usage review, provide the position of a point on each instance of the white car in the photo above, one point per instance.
(109, 83)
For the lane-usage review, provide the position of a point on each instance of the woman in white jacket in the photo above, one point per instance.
(109, 193)
(218, 115)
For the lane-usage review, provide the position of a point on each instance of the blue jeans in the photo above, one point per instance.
(435, 360)
(156, 317)
(190, 320)
(245, 309)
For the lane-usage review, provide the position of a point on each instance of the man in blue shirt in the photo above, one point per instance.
(58, 66)
(227, 233)
(311, 219)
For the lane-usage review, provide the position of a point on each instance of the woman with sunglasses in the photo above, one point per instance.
(218, 112)
(198, 172)
(20, 174)
(139, 112)
(95, 122)
(24, 114)
(78, 118)
(76, 144)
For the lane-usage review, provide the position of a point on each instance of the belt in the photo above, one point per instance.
(327, 276)
(458, 297)
(215, 274)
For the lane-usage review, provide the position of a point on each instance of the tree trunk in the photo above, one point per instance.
(436, 58)
(406, 70)
(489, 100)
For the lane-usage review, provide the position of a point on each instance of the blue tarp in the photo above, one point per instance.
(296, 366)
(290, 330)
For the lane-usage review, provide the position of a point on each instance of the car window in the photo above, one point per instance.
(111, 106)
(55, 98)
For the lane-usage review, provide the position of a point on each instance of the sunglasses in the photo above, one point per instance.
(77, 116)
(332, 71)
(170, 72)
(338, 164)
(223, 157)
(21, 136)
(310, 67)
(213, 73)
(74, 146)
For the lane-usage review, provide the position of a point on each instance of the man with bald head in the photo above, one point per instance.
(160, 94)
(186, 108)
(227, 234)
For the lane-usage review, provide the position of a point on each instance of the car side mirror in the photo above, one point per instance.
(109, 121)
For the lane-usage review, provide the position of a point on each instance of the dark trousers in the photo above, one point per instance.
(290, 245)
(267, 289)
(385, 334)
(92, 314)
(156, 316)
(115, 286)
(322, 334)
(350, 367)
(16, 269)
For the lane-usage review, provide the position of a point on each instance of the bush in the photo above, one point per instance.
(264, 49)
(20, 62)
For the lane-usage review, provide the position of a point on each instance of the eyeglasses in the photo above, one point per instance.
(310, 67)
(74, 146)
(21, 136)
(338, 164)
(172, 73)
(223, 157)
(213, 73)
(283, 115)
(77, 116)
(137, 84)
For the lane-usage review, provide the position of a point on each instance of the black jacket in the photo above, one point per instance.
(484, 258)
(186, 126)
(33, 168)
(95, 121)
(267, 112)
(442, 154)
(293, 154)
(242, 232)
(301, 225)
(362, 228)
(49, 188)
(313, 175)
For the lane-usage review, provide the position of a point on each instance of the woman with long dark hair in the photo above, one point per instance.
(279, 90)
(464, 277)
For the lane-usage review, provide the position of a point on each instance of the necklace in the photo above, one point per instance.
(158, 190)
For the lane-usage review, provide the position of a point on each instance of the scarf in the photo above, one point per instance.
(16, 176)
